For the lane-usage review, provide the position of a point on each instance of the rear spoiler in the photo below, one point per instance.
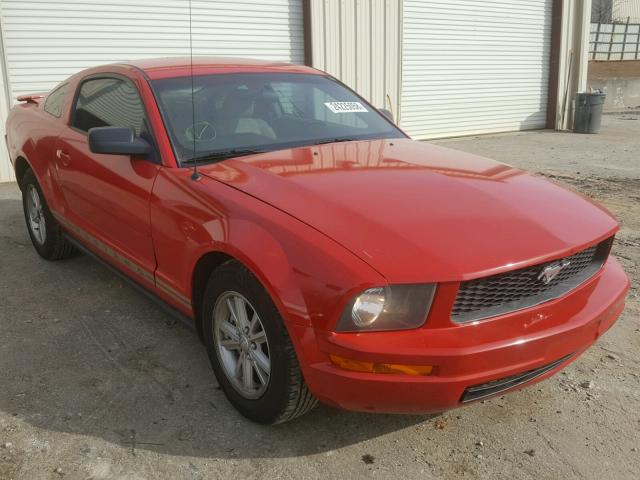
(32, 97)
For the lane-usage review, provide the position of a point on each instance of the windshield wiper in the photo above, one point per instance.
(222, 155)
(335, 140)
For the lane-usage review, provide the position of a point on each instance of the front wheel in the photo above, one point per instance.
(45, 233)
(250, 350)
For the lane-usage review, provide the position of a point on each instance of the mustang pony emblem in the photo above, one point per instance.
(550, 272)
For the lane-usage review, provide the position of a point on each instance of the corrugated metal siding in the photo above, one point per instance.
(46, 41)
(623, 9)
(358, 41)
(6, 172)
(474, 67)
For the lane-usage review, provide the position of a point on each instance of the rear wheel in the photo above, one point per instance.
(44, 231)
(250, 350)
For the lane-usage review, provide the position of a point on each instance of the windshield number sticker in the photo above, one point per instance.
(345, 107)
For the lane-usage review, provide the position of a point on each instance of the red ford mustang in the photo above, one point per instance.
(319, 252)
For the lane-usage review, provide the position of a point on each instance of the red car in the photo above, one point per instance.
(319, 252)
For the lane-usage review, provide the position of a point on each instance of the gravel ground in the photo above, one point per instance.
(97, 383)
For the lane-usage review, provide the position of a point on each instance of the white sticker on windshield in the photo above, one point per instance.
(345, 107)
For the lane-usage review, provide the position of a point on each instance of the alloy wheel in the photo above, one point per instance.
(35, 210)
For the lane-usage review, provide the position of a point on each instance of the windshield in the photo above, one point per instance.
(239, 114)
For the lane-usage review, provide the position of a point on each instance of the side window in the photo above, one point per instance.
(108, 102)
(55, 101)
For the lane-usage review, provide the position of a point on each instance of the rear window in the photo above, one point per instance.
(55, 100)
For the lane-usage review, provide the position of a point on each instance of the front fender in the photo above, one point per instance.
(309, 276)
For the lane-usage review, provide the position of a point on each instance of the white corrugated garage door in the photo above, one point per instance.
(473, 66)
(45, 41)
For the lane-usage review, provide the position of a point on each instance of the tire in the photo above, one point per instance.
(44, 231)
(284, 396)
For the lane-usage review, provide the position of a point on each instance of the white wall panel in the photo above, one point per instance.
(6, 172)
(626, 9)
(358, 41)
(45, 41)
(474, 67)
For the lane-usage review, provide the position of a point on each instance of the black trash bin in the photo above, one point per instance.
(588, 112)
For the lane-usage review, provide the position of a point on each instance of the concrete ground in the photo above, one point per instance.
(98, 383)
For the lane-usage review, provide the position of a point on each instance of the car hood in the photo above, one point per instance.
(418, 212)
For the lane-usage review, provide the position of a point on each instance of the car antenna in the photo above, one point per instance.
(195, 175)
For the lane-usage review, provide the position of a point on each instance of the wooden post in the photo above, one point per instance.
(596, 42)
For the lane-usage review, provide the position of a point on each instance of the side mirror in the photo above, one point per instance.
(386, 113)
(117, 141)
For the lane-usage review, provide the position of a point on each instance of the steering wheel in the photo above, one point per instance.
(200, 132)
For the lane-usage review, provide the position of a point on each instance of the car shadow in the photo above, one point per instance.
(82, 352)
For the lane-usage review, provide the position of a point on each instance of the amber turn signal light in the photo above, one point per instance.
(370, 367)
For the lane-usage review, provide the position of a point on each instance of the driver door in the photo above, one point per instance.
(107, 196)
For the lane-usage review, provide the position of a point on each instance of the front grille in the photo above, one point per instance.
(507, 292)
(489, 389)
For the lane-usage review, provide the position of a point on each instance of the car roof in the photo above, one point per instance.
(156, 68)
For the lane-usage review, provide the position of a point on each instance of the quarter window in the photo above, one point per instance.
(55, 101)
(108, 102)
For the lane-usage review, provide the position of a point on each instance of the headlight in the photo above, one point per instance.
(368, 307)
(396, 307)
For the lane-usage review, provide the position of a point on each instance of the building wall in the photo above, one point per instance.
(619, 80)
(358, 41)
(475, 67)
(6, 172)
(608, 11)
(364, 44)
(573, 59)
(623, 9)
(47, 41)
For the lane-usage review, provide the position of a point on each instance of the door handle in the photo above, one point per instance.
(63, 156)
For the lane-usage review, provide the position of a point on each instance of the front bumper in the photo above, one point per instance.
(463, 356)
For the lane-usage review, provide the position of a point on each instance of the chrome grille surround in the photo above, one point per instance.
(507, 292)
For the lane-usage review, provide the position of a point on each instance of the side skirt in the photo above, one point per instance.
(187, 322)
